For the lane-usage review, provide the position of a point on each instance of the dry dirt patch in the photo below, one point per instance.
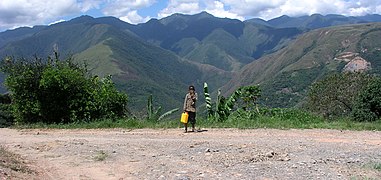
(212, 154)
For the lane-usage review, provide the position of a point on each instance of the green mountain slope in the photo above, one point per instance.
(224, 43)
(162, 57)
(20, 33)
(285, 75)
(316, 21)
(139, 68)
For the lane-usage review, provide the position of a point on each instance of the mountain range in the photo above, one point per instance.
(163, 56)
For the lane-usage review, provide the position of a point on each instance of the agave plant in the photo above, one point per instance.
(154, 115)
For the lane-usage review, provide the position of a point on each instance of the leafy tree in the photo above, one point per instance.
(367, 106)
(23, 83)
(335, 94)
(63, 94)
(6, 116)
(107, 100)
(249, 96)
(55, 91)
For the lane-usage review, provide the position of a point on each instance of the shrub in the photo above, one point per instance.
(6, 117)
(22, 81)
(335, 95)
(64, 94)
(55, 91)
(368, 105)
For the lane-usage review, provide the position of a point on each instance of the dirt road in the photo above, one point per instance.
(211, 154)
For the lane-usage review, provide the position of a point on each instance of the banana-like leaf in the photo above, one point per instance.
(167, 113)
(208, 100)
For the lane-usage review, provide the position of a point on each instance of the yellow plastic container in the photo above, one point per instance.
(184, 117)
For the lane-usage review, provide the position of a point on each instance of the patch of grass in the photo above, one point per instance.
(278, 119)
(377, 166)
(9, 160)
(291, 119)
(107, 123)
(100, 156)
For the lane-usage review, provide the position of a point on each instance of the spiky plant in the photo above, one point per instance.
(154, 115)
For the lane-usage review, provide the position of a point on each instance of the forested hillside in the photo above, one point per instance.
(163, 56)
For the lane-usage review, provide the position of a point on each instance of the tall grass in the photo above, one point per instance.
(290, 119)
(107, 123)
(277, 119)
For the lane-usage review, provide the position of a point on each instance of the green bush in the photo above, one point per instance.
(64, 94)
(368, 105)
(6, 117)
(334, 96)
(22, 81)
(55, 91)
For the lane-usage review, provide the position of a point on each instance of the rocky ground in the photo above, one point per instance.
(211, 154)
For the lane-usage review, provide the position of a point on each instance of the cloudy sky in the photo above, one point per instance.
(17, 13)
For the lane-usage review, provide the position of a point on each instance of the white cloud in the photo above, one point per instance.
(268, 9)
(16, 13)
(133, 17)
(180, 6)
(218, 9)
(32, 12)
(55, 22)
(127, 10)
(87, 5)
(120, 8)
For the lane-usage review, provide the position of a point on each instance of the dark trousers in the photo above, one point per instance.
(192, 118)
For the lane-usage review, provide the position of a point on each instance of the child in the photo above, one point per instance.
(190, 108)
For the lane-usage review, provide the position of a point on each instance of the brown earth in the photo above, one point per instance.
(211, 154)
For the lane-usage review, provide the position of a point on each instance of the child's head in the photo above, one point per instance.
(191, 88)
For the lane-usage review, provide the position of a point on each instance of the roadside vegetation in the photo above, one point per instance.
(54, 93)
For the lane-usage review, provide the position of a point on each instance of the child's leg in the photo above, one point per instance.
(192, 120)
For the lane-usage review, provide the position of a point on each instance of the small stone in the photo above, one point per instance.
(284, 159)
(207, 150)
(270, 154)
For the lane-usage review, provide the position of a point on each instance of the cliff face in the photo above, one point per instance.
(357, 64)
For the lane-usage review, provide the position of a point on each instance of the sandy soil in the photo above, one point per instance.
(211, 154)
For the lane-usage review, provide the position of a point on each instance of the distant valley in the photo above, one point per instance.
(162, 57)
